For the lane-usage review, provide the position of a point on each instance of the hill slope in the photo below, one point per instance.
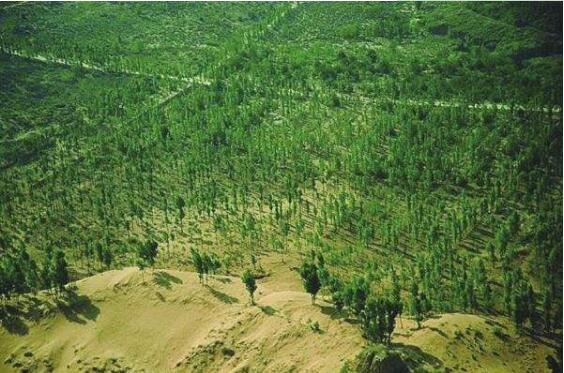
(125, 320)
(172, 321)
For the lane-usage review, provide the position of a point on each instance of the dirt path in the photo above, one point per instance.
(260, 33)
(476, 106)
(15, 5)
(88, 66)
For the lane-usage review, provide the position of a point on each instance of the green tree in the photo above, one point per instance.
(513, 223)
(107, 258)
(417, 306)
(45, 271)
(337, 295)
(180, 204)
(356, 293)
(250, 284)
(518, 310)
(547, 309)
(6, 285)
(147, 253)
(100, 252)
(59, 274)
(502, 239)
(29, 270)
(310, 279)
(378, 318)
(373, 320)
(199, 263)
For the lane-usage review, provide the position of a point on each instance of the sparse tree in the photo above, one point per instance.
(107, 258)
(416, 304)
(199, 263)
(147, 253)
(310, 279)
(250, 284)
(59, 274)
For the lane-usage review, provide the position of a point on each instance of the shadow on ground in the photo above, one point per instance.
(335, 314)
(13, 324)
(415, 357)
(225, 298)
(77, 308)
(165, 279)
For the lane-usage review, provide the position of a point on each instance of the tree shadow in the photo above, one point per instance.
(331, 312)
(553, 364)
(78, 308)
(223, 280)
(436, 330)
(34, 311)
(549, 343)
(225, 298)
(165, 279)
(335, 314)
(13, 324)
(415, 357)
(160, 296)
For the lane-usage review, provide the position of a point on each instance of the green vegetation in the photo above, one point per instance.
(250, 283)
(20, 274)
(414, 148)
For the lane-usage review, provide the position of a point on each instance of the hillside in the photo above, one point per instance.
(398, 160)
(124, 320)
(167, 320)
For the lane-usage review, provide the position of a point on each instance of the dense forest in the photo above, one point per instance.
(411, 151)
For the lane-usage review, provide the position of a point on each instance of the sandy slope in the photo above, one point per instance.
(174, 323)
(462, 342)
(167, 321)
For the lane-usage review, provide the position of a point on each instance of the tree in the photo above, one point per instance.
(488, 296)
(547, 309)
(250, 283)
(5, 282)
(45, 272)
(379, 318)
(356, 293)
(337, 295)
(518, 309)
(310, 279)
(15, 275)
(213, 263)
(396, 293)
(59, 274)
(147, 253)
(373, 320)
(513, 223)
(29, 270)
(470, 294)
(491, 250)
(531, 303)
(392, 309)
(99, 252)
(502, 239)
(180, 206)
(107, 258)
(417, 307)
(199, 263)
